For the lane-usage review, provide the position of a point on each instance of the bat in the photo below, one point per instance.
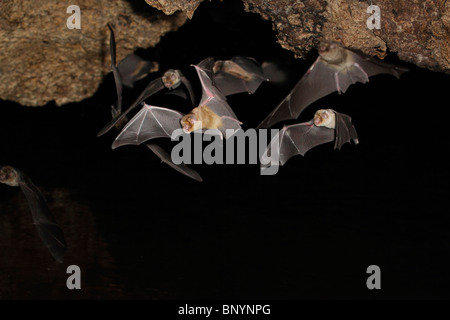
(48, 230)
(240, 74)
(133, 68)
(152, 122)
(335, 69)
(171, 79)
(326, 126)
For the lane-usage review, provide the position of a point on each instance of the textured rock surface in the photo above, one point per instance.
(42, 60)
(171, 6)
(418, 30)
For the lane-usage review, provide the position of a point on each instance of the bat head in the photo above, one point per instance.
(190, 123)
(9, 176)
(331, 51)
(171, 78)
(325, 118)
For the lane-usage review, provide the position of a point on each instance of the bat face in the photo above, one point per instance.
(9, 176)
(190, 123)
(331, 52)
(200, 118)
(171, 79)
(325, 118)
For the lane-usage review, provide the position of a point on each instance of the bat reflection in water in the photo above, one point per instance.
(48, 230)
(335, 69)
(326, 126)
(240, 74)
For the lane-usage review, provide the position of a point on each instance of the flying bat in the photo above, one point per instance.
(335, 69)
(326, 126)
(240, 74)
(132, 68)
(171, 79)
(152, 122)
(48, 230)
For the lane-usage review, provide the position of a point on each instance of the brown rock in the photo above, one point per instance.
(42, 60)
(171, 6)
(418, 30)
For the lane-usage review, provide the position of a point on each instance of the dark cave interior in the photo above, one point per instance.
(140, 230)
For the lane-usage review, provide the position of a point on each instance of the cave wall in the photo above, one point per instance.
(42, 60)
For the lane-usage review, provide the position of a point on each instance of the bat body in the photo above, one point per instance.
(170, 80)
(237, 75)
(48, 230)
(326, 126)
(152, 122)
(335, 69)
(133, 68)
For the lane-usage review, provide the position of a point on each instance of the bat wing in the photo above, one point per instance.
(229, 84)
(149, 123)
(48, 230)
(153, 87)
(116, 73)
(182, 93)
(345, 130)
(294, 140)
(165, 157)
(211, 96)
(188, 86)
(322, 79)
(373, 66)
(133, 68)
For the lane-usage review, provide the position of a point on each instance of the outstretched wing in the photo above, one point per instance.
(294, 140)
(323, 78)
(165, 157)
(117, 79)
(48, 230)
(188, 86)
(345, 130)
(211, 96)
(149, 123)
(238, 75)
(153, 87)
(372, 66)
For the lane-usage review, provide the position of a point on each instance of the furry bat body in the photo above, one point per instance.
(152, 122)
(48, 230)
(237, 75)
(326, 126)
(335, 69)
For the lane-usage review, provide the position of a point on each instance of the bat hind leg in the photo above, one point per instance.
(365, 75)
(336, 79)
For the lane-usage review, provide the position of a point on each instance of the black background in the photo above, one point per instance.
(310, 231)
